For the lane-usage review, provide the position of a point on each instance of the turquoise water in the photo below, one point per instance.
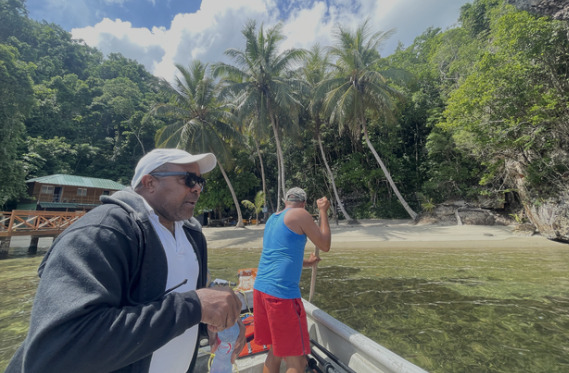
(444, 309)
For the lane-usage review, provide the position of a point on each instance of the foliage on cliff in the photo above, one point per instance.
(476, 111)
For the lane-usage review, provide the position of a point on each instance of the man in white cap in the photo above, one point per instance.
(280, 319)
(123, 288)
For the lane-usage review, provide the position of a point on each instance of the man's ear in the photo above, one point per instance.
(147, 182)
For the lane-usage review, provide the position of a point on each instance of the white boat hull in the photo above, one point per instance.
(351, 348)
(354, 349)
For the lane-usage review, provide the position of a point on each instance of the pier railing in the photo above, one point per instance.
(36, 223)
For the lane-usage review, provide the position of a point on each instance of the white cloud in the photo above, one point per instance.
(410, 18)
(206, 34)
(140, 44)
(306, 26)
(217, 25)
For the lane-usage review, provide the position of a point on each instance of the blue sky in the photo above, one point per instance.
(80, 13)
(162, 33)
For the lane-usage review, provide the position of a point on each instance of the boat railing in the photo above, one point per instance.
(331, 331)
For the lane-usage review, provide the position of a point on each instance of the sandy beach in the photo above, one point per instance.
(398, 234)
(391, 233)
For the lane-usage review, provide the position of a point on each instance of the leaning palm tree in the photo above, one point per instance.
(357, 86)
(259, 81)
(200, 121)
(315, 71)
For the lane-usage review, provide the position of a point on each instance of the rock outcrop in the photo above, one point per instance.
(549, 218)
(550, 215)
(557, 9)
(461, 213)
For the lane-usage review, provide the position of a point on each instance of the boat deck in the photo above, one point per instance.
(348, 347)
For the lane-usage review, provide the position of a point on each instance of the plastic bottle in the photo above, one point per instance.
(222, 360)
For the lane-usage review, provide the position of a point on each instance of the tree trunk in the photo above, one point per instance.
(279, 190)
(240, 223)
(411, 213)
(280, 164)
(262, 169)
(280, 155)
(331, 176)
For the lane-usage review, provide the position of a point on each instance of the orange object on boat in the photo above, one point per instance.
(251, 347)
(246, 279)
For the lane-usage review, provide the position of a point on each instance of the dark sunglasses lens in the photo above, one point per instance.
(192, 180)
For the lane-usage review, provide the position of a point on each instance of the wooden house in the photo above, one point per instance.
(67, 192)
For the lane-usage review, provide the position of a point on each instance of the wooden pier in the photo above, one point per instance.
(35, 224)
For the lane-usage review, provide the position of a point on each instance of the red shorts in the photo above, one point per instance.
(282, 324)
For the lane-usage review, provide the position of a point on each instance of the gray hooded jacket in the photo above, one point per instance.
(101, 304)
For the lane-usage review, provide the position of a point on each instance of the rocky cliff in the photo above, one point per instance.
(549, 216)
(557, 9)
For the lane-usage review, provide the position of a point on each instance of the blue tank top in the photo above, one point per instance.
(280, 266)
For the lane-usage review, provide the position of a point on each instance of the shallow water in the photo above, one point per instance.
(18, 279)
(446, 310)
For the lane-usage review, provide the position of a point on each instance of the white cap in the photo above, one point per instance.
(158, 157)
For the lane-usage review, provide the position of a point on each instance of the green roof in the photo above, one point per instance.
(79, 181)
(63, 205)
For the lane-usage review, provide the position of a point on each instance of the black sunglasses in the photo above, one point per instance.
(191, 179)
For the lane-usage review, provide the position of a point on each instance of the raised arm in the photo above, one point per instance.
(303, 222)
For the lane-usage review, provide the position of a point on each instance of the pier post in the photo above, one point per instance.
(4, 247)
(33, 248)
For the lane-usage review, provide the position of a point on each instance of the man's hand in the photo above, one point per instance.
(323, 204)
(300, 221)
(220, 308)
(312, 261)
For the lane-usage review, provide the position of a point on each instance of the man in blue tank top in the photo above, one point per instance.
(280, 319)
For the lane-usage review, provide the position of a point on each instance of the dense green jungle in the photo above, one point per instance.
(473, 112)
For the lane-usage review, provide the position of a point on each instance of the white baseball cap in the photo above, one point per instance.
(157, 157)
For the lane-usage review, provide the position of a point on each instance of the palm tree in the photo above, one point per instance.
(260, 82)
(252, 132)
(314, 71)
(257, 205)
(357, 86)
(201, 123)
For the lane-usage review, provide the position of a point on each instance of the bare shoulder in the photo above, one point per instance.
(297, 218)
(297, 213)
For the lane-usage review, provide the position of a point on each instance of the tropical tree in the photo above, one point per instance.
(314, 72)
(257, 134)
(13, 19)
(260, 81)
(16, 100)
(357, 86)
(257, 205)
(201, 123)
(511, 114)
